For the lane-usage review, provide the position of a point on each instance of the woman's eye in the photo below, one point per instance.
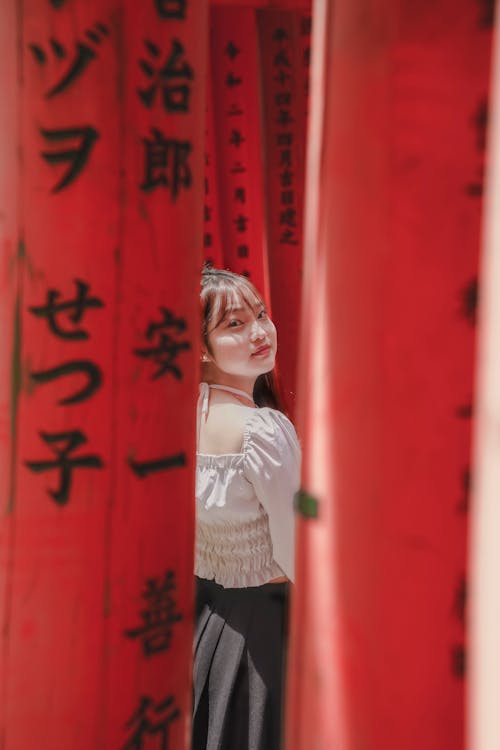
(233, 323)
(263, 314)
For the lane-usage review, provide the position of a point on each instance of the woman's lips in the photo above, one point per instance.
(262, 352)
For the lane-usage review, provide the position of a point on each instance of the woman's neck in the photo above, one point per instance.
(232, 381)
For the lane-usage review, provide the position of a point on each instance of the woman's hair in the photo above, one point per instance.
(219, 291)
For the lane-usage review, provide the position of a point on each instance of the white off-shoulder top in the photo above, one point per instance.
(245, 523)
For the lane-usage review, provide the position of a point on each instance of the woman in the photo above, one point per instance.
(248, 469)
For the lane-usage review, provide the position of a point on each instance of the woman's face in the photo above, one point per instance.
(244, 343)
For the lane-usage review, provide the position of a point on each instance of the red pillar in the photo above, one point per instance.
(399, 109)
(483, 718)
(283, 37)
(101, 196)
(238, 140)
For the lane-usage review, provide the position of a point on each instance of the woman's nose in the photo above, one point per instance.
(257, 331)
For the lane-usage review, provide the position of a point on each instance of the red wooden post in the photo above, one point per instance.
(102, 191)
(483, 718)
(11, 255)
(283, 81)
(399, 109)
(238, 132)
(212, 236)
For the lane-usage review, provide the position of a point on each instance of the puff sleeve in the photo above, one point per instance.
(272, 466)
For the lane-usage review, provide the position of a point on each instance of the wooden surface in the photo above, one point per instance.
(484, 560)
(285, 50)
(235, 65)
(84, 663)
(398, 119)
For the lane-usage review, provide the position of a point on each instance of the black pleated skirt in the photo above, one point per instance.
(239, 666)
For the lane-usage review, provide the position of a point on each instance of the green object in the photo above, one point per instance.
(306, 504)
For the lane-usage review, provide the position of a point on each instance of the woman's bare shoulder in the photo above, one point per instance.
(222, 432)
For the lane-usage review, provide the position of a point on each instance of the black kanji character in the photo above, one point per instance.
(288, 217)
(288, 237)
(284, 139)
(92, 372)
(287, 197)
(458, 661)
(305, 25)
(241, 223)
(281, 59)
(306, 57)
(240, 195)
(64, 462)
(232, 50)
(464, 411)
(76, 157)
(283, 99)
(143, 469)
(207, 239)
(480, 122)
(465, 481)
(234, 110)
(286, 178)
(469, 298)
(40, 56)
(284, 117)
(74, 310)
(232, 80)
(282, 78)
(166, 348)
(475, 189)
(207, 213)
(57, 4)
(280, 35)
(460, 600)
(487, 13)
(236, 138)
(166, 164)
(151, 720)
(170, 78)
(238, 168)
(285, 157)
(84, 53)
(173, 9)
(242, 251)
(158, 616)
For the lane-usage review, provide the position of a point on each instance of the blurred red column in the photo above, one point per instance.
(483, 717)
(281, 35)
(212, 237)
(238, 141)
(393, 208)
(101, 192)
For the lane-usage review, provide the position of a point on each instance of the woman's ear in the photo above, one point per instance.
(204, 357)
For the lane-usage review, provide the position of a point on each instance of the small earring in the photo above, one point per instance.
(204, 358)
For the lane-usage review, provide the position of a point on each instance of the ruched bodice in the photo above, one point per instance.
(244, 503)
